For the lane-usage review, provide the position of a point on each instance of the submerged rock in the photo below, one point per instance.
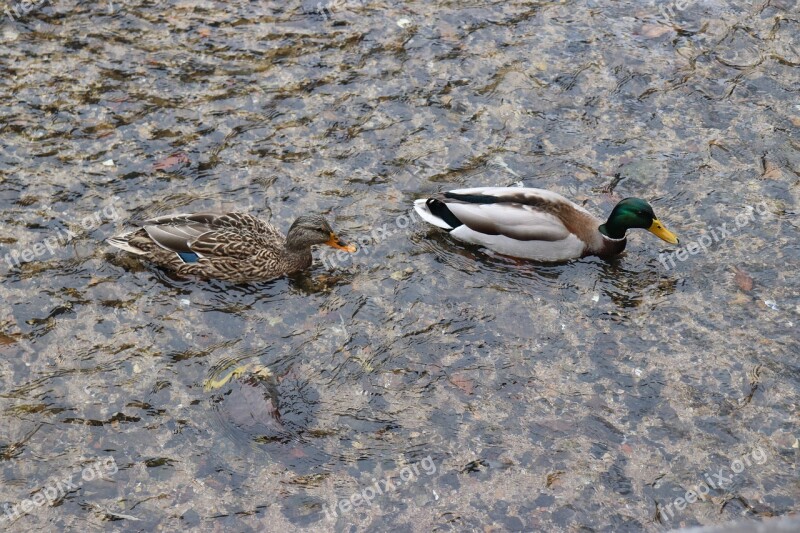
(247, 397)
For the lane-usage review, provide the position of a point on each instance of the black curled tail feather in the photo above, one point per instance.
(439, 209)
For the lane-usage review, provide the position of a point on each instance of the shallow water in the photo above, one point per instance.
(516, 396)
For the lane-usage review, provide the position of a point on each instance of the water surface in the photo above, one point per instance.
(539, 397)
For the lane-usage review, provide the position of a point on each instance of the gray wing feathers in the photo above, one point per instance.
(235, 234)
(512, 220)
(184, 218)
(214, 221)
(175, 238)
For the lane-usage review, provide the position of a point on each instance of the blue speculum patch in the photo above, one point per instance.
(188, 257)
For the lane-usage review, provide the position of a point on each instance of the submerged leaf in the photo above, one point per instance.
(462, 382)
(174, 160)
(652, 31)
(772, 171)
(743, 279)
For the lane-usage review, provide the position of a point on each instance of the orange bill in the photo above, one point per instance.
(334, 242)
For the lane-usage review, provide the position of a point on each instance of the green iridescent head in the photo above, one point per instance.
(633, 213)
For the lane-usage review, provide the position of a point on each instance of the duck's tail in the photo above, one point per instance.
(121, 241)
(436, 212)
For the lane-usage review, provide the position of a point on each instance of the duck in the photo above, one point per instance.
(230, 246)
(537, 224)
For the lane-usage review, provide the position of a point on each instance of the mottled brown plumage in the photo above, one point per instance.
(229, 246)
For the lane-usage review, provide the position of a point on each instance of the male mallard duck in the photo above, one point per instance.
(228, 246)
(535, 223)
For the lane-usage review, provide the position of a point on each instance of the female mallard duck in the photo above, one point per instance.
(535, 223)
(230, 246)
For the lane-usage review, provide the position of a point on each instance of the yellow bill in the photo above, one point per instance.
(658, 229)
(336, 243)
